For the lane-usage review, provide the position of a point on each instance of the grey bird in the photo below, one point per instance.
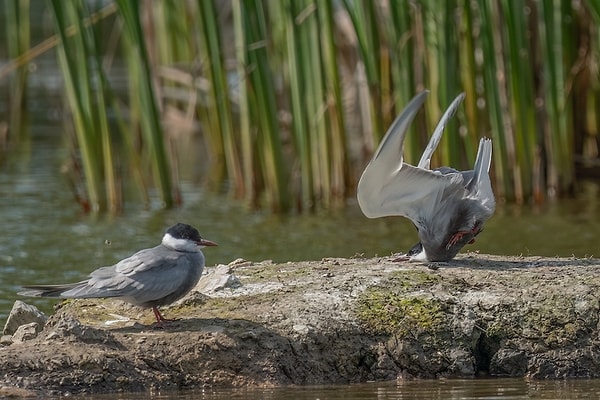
(448, 207)
(149, 278)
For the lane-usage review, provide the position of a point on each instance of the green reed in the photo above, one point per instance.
(219, 111)
(262, 104)
(90, 97)
(309, 70)
(557, 50)
(276, 105)
(366, 26)
(334, 114)
(142, 88)
(80, 67)
(18, 39)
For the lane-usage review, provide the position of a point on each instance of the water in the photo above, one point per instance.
(441, 389)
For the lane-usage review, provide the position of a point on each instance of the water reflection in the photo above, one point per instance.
(442, 389)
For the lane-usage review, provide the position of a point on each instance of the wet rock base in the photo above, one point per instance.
(329, 321)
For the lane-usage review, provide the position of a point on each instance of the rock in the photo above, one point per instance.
(192, 299)
(68, 327)
(21, 314)
(219, 278)
(6, 340)
(240, 262)
(509, 363)
(26, 332)
(8, 392)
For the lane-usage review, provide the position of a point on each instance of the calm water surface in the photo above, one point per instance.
(442, 389)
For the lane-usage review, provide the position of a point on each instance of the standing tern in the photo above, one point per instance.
(448, 207)
(150, 278)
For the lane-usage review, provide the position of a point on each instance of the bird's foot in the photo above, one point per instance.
(162, 325)
(433, 266)
(160, 320)
(457, 237)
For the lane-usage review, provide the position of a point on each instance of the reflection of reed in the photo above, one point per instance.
(17, 42)
(86, 88)
(3, 137)
(77, 55)
(294, 96)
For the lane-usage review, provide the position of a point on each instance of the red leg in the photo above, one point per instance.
(159, 318)
(455, 238)
(158, 315)
(458, 235)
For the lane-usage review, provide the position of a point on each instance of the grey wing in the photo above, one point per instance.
(480, 186)
(142, 277)
(388, 186)
(48, 290)
(414, 193)
(391, 146)
(387, 160)
(425, 160)
(170, 275)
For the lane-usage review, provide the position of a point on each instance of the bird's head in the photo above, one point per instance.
(444, 232)
(184, 237)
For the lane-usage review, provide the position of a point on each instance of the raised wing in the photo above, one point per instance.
(425, 160)
(386, 161)
(390, 148)
(413, 193)
(480, 186)
(388, 186)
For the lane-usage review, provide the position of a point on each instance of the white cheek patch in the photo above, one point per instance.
(179, 244)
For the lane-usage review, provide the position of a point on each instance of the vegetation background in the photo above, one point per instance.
(293, 96)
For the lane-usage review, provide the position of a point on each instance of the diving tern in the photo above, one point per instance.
(150, 278)
(448, 207)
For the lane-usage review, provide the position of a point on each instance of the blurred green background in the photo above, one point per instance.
(291, 97)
